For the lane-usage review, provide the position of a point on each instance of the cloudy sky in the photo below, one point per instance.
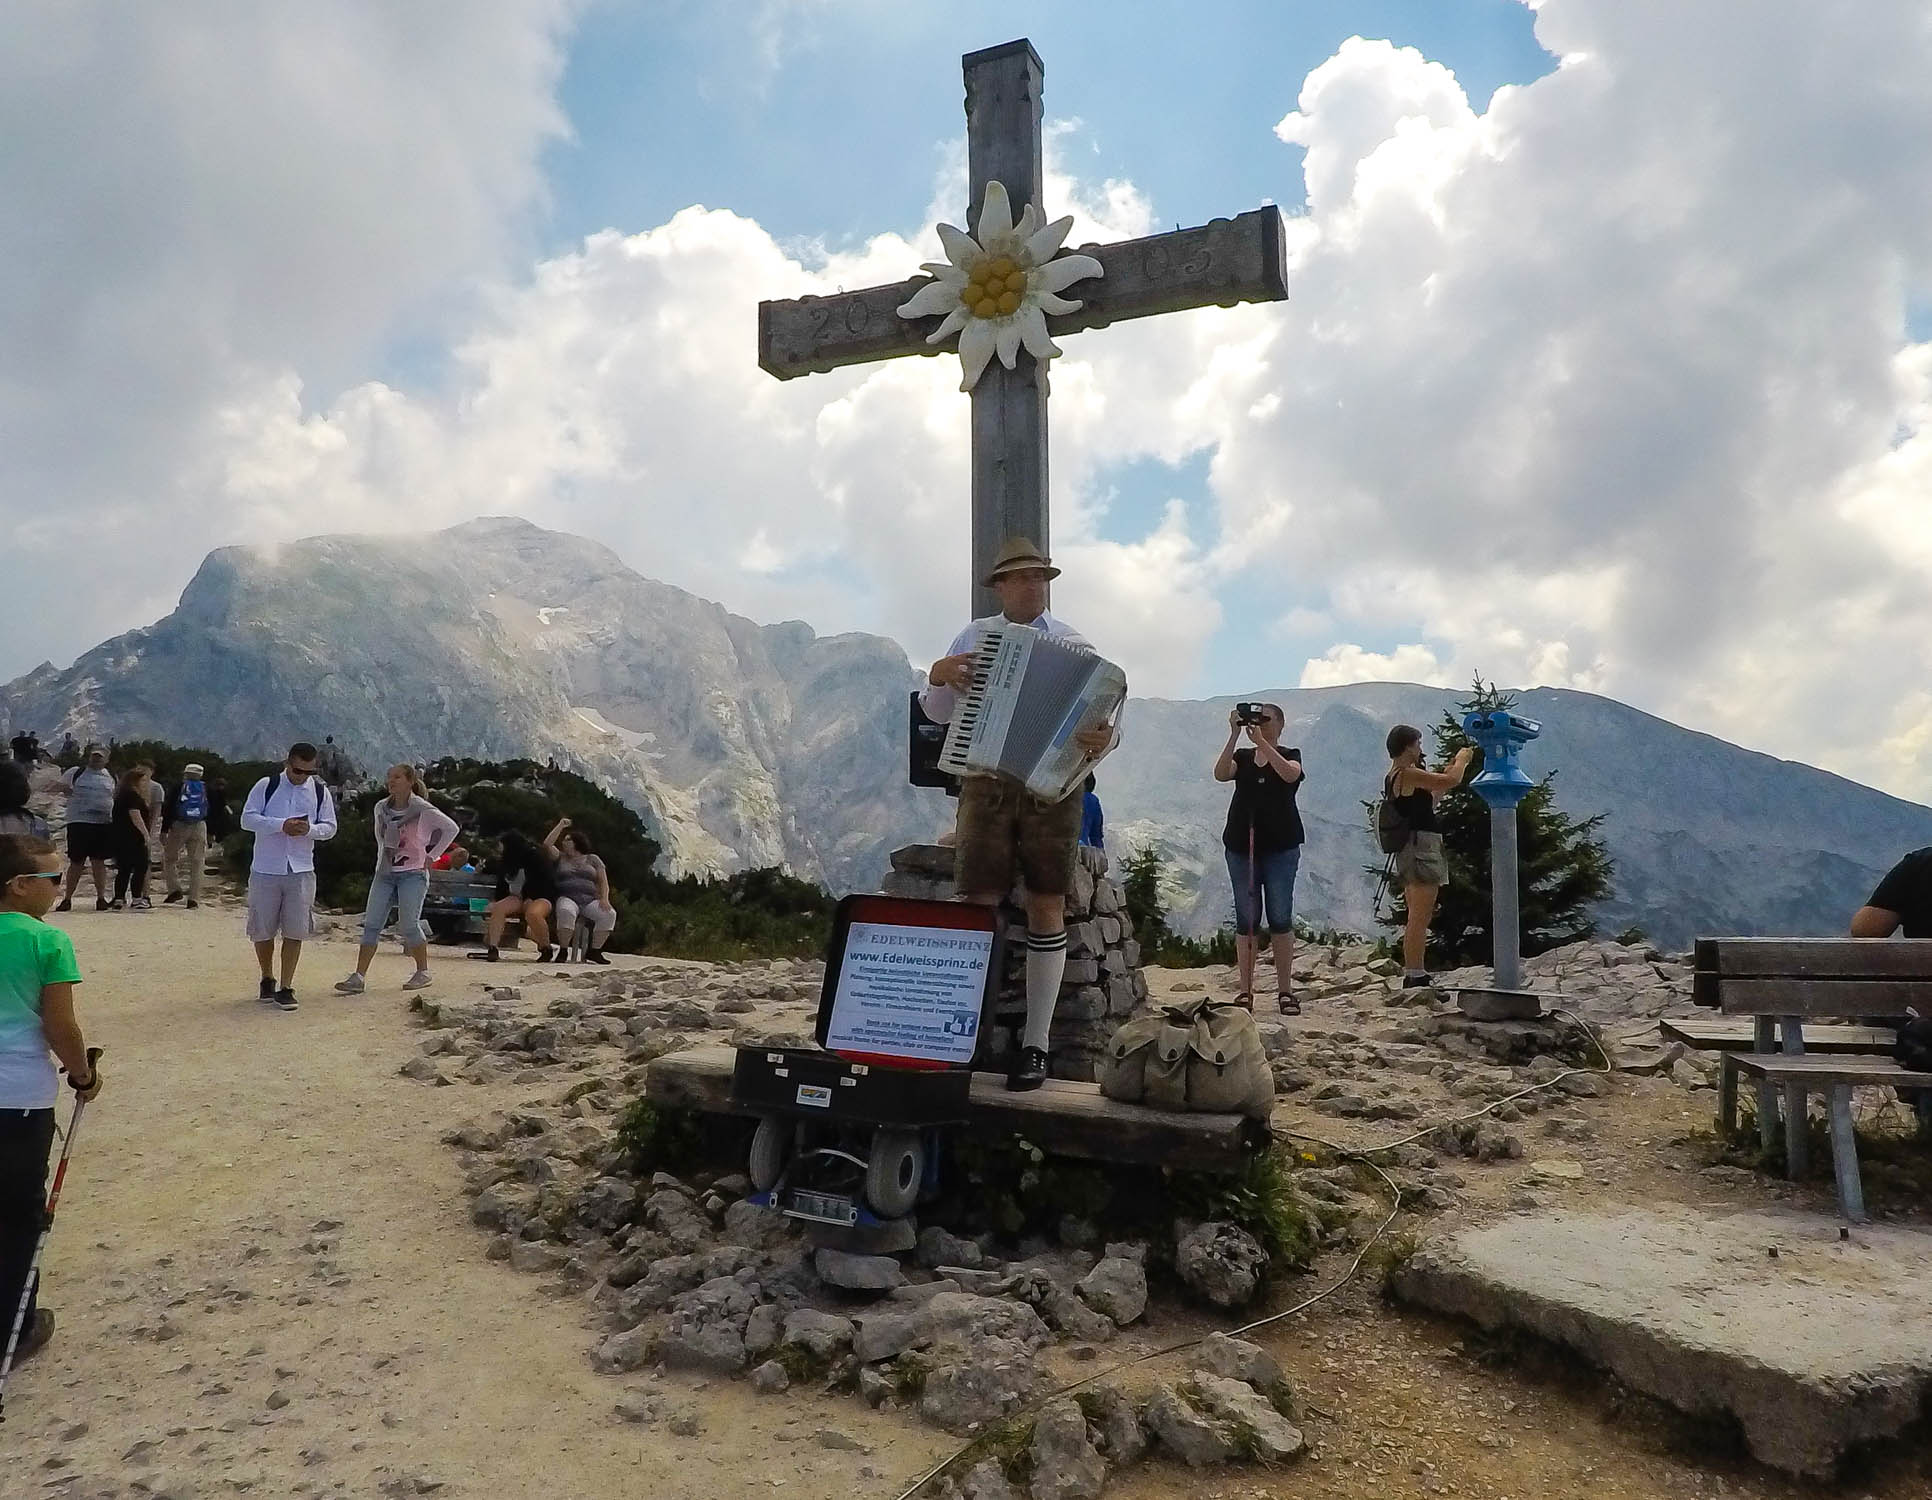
(1608, 362)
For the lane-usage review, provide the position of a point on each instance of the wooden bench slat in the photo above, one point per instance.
(1814, 958)
(1822, 1072)
(1829, 997)
(1064, 1117)
(1719, 1036)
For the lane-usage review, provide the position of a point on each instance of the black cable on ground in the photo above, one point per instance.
(1347, 1153)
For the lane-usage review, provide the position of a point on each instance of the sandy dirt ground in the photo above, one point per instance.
(268, 1284)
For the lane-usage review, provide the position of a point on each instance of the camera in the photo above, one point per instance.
(1250, 713)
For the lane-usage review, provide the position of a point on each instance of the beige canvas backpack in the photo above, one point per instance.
(1203, 1055)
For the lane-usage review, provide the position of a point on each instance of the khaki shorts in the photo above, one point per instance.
(1004, 829)
(1422, 861)
(281, 906)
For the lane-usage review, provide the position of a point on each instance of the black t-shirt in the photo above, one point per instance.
(127, 802)
(1263, 798)
(1907, 890)
(24, 747)
(539, 875)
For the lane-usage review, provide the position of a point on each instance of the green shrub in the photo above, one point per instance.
(660, 1140)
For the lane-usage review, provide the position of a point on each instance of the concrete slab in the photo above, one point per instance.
(1499, 1005)
(1822, 1346)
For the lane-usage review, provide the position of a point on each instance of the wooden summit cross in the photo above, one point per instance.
(1219, 264)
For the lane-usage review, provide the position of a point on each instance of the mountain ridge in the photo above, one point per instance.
(745, 744)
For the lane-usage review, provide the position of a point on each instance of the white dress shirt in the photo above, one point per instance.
(278, 853)
(939, 702)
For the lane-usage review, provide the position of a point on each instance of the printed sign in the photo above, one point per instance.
(910, 991)
(815, 1095)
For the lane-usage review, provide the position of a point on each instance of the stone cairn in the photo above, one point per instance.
(1103, 981)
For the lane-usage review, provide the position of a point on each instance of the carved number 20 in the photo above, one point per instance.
(855, 319)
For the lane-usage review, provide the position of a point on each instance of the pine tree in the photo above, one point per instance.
(1562, 867)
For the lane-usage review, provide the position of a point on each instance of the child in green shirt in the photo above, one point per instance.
(37, 978)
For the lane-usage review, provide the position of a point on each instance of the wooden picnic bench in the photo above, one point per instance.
(1782, 982)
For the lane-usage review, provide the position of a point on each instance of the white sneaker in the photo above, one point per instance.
(351, 986)
(419, 980)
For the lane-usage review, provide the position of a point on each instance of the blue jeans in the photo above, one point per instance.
(1274, 882)
(404, 890)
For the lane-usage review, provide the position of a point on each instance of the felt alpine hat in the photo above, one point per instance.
(1019, 554)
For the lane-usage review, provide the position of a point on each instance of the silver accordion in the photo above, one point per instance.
(1029, 697)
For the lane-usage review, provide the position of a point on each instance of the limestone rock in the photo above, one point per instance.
(1260, 1431)
(705, 1328)
(825, 1335)
(1221, 1262)
(1115, 1423)
(629, 1350)
(941, 1247)
(978, 1385)
(1117, 1288)
(1237, 1359)
(769, 1379)
(763, 1331)
(1191, 1436)
(760, 1228)
(1066, 1465)
(858, 1273)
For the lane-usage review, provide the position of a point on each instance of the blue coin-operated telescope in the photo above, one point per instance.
(1503, 784)
(1499, 734)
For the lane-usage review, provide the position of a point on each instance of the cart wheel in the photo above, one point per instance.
(894, 1169)
(771, 1144)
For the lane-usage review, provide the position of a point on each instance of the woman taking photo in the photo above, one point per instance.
(133, 832)
(1263, 841)
(1421, 869)
(410, 832)
(583, 891)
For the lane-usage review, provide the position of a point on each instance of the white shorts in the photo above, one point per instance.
(281, 906)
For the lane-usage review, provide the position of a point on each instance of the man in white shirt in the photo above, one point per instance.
(289, 813)
(1002, 827)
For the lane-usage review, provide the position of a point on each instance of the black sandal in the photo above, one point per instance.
(1289, 1005)
(1244, 999)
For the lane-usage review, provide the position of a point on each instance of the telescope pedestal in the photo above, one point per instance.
(1491, 1004)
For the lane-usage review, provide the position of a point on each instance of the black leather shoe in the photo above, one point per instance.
(1029, 1072)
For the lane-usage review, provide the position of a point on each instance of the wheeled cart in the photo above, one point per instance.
(842, 1142)
(849, 1132)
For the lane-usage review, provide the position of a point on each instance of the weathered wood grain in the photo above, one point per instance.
(1219, 264)
(1064, 1118)
(1718, 1036)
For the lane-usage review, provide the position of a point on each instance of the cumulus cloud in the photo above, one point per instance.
(1604, 382)
(203, 200)
(1346, 663)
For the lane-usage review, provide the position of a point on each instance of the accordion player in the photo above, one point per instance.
(1029, 708)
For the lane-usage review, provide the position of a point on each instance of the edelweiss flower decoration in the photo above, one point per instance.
(998, 289)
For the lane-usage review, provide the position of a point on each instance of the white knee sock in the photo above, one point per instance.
(1046, 963)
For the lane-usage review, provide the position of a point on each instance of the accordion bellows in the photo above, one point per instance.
(1029, 697)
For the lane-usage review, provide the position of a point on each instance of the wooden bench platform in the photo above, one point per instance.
(1834, 1077)
(1064, 1118)
(1741, 1036)
(1781, 983)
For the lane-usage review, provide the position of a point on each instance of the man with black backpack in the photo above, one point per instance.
(289, 813)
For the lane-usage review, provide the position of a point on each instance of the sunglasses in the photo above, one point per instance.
(38, 875)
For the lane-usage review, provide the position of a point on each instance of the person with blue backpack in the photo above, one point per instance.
(184, 834)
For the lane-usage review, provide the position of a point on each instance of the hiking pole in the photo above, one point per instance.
(40, 1245)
